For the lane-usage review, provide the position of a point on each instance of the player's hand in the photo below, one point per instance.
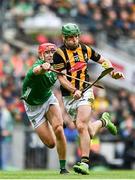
(117, 75)
(77, 94)
(46, 66)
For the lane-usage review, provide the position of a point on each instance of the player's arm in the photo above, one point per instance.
(40, 69)
(67, 85)
(59, 65)
(106, 63)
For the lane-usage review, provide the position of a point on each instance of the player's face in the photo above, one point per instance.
(48, 56)
(71, 42)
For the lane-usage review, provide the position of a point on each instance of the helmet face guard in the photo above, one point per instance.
(70, 30)
(46, 47)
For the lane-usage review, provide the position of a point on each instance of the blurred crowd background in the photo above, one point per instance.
(106, 25)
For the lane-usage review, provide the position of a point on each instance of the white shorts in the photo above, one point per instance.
(36, 114)
(86, 99)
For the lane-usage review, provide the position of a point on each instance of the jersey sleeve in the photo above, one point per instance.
(30, 72)
(94, 55)
(58, 62)
(33, 66)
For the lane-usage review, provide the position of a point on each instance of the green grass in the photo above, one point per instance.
(49, 174)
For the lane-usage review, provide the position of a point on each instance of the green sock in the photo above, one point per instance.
(62, 164)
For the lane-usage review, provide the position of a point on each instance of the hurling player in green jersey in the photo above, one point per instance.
(41, 105)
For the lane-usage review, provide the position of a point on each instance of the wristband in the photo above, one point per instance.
(105, 65)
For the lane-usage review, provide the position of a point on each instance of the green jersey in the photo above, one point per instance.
(37, 88)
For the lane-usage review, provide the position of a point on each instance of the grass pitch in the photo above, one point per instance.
(49, 174)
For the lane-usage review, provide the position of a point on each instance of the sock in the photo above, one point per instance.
(62, 164)
(85, 159)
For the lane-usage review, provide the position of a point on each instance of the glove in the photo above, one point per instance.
(117, 75)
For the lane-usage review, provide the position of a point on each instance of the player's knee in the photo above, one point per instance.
(58, 130)
(51, 145)
(80, 127)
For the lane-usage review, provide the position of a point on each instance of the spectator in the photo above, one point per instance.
(127, 128)
(6, 135)
(101, 103)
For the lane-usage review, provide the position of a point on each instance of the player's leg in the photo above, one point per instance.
(105, 121)
(54, 116)
(46, 134)
(82, 120)
(94, 127)
(36, 115)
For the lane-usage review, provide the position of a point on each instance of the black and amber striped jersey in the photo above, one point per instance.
(65, 58)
